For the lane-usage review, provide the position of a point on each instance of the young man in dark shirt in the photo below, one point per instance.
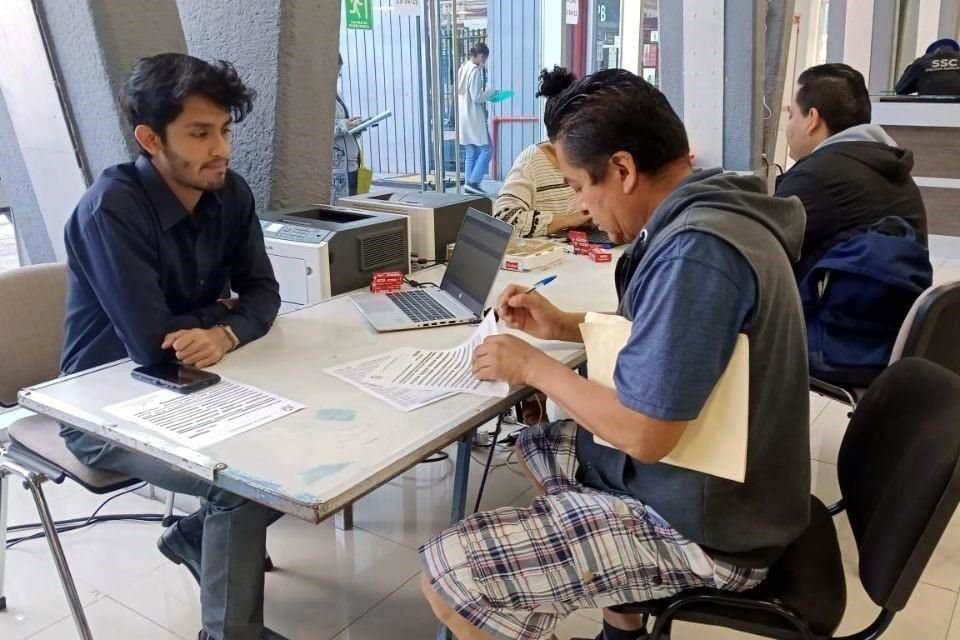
(849, 173)
(153, 247)
(709, 260)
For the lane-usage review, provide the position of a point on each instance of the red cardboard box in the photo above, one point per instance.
(386, 281)
(579, 241)
(599, 255)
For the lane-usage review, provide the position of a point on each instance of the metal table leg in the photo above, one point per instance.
(4, 490)
(343, 519)
(458, 511)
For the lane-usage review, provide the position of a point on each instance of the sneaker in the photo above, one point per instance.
(473, 189)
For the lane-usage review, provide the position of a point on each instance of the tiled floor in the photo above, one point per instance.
(362, 585)
(353, 586)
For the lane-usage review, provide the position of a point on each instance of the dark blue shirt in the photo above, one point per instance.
(141, 266)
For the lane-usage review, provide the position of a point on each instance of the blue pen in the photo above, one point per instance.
(542, 283)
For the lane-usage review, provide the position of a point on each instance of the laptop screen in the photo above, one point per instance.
(476, 259)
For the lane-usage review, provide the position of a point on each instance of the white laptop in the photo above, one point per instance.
(462, 293)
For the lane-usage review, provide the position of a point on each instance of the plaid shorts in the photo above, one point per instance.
(515, 573)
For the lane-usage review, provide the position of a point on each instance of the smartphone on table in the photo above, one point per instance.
(175, 376)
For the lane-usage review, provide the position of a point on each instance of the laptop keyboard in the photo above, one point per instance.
(419, 306)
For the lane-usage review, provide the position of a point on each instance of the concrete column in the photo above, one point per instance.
(63, 64)
(949, 19)
(287, 51)
(94, 44)
(711, 70)
(779, 27)
(744, 45)
(836, 30)
(671, 53)
(885, 17)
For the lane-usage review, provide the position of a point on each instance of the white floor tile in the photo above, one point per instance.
(946, 271)
(823, 480)
(109, 620)
(927, 614)
(954, 633)
(415, 506)
(35, 599)
(826, 432)
(128, 548)
(326, 579)
(578, 626)
(405, 613)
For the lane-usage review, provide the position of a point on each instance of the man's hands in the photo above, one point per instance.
(506, 358)
(354, 121)
(199, 347)
(534, 314)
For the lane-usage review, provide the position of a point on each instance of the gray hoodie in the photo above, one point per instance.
(748, 523)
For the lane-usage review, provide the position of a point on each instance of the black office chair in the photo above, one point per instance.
(927, 332)
(899, 472)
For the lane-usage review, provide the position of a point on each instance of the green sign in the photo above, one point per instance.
(359, 14)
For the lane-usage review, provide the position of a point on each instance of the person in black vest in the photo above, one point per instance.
(849, 173)
(935, 74)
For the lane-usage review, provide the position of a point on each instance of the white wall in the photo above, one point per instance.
(631, 33)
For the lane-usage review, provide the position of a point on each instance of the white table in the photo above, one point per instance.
(303, 464)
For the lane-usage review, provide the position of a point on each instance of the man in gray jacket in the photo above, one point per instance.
(709, 260)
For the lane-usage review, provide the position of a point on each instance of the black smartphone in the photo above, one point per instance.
(178, 377)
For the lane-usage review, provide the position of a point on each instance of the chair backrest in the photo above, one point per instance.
(930, 329)
(899, 472)
(32, 310)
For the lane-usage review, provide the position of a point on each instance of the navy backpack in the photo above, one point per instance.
(857, 296)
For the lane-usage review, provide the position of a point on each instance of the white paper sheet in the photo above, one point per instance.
(440, 369)
(403, 398)
(205, 417)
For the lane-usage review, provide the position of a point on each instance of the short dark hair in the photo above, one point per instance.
(615, 110)
(838, 93)
(157, 87)
(479, 49)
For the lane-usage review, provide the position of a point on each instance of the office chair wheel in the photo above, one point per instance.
(267, 564)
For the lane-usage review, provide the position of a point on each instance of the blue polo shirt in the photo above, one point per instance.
(140, 266)
(687, 306)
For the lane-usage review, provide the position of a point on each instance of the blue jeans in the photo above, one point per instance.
(476, 161)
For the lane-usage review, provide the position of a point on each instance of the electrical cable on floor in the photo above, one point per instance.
(72, 524)
(439, 456)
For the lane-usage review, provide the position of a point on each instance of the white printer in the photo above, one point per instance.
(321, 251)
(435, 218)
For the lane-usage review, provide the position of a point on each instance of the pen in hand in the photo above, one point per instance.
(541, 283)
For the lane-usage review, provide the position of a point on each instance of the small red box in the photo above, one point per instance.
(599, 255)
(386, 281)
(511, 265)
(581, 245)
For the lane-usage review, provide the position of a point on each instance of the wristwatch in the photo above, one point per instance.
(234, 341)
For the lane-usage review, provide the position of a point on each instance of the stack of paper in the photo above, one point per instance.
(409, 378)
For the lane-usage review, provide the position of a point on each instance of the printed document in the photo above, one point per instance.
(440, 369)
(403, 398)
(205, 417)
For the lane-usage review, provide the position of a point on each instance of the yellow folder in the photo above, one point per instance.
(716, 442)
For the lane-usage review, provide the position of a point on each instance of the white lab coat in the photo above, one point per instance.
(472, 108)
